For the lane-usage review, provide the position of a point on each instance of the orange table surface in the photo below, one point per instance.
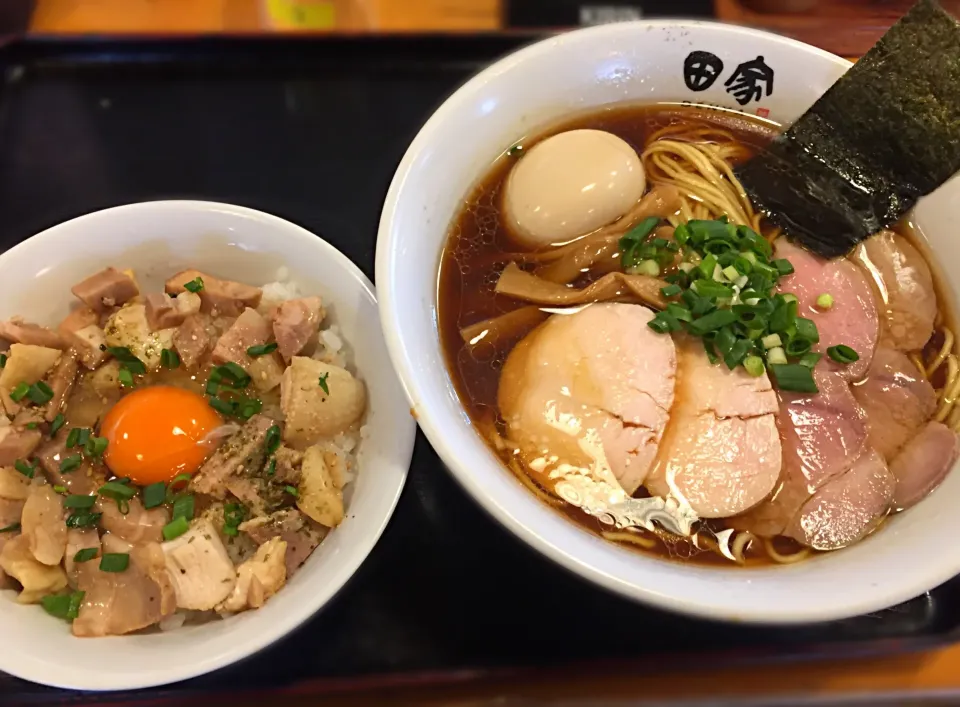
(933, 672)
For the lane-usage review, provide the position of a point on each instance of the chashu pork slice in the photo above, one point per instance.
(721, 452)
(591, 391)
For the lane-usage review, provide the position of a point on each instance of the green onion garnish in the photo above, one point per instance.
(57, 424)
(117, 491)
(32, 425)
(19, 392)
(79, 501)
(261, 349)
(292, 491)
(154, 495)
(248, 407)
(60, 489)
(323, 383)
(169, 358)
(40, 393)
(810, 360)
(175, 528)
(754, 365)
(177, 484)
(63, 606)
(3, 360)
(114, 561)
(230, 374)
(72, 437)
(195, 285)
(631, 245)
(843, 354)
(70, 463)
(125, 377)
(127, 360)
(825, 301)
(233, 515)
(83, 434)
(783, 266)
(95, 447)
(83, 519)
(222, 406)
(27, 470)
(183, 507)
(794, 377)
(272, 467)
(515, 151)
(86, 554)
(12, 528)
(272, 439)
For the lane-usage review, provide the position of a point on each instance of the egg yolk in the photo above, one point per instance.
(155, 433)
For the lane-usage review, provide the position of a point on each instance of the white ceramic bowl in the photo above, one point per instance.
(519, 96)
(158, 239)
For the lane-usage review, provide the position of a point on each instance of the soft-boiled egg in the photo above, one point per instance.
(157, 432)
(571, 184)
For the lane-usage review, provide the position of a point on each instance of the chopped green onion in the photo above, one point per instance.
(810, 360)
(248, 407)
(272, 467)
(95, 446)
(749, 256)
(712, 289)
(230, 374)
(114, 561)
(127, 360)
(731, 273)
(20, 392)
(57, 423)
(783, 317)
(825, 301)
(679, 312)
(12, 528)
(670, 291)
(184, 507)
(195, 285)
(169, 358)
(843, 354)
(175, 528)
(117, 491)
(783, 266)
(154, 495)
(737, 353)
(261, 349)
(27, 470)
(797, 347)
(789, 297)
(794, 377)
(125, 377)
(233, 515)
(72, 437)
(776, 355)
(771, 341)
(63, 606)
(713, 321)
(515, 151)
(292, 491)
(31, 425)
(754, 365)
(79, 501)
(83, 435)
(650, 268)
(40, 393)
(70, 463)
(86, 554)
(83, 519)
(222, 406)
(60, 489)
(707, 266)
(806, 329)
(323, 383)
(3, 360)
(272, 439)
(178, 483)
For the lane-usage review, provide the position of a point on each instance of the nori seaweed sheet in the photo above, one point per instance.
(884, 135)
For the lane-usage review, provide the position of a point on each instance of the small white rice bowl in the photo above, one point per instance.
(158, 239)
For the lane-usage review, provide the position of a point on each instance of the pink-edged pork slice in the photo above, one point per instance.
(851, 321)
(721, 452)
(923, 463)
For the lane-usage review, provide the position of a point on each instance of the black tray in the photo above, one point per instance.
(312, 129)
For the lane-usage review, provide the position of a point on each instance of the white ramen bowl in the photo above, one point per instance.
(158, 239)
(520, 96)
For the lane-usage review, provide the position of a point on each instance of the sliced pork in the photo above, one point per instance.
(898, 401)
(822, 435)
(192, 341)
(137, 525)
(164, 311)
(847, 507)
(81, 329)
(295, 324)
(852, 320)
(250, 329)
(299, 532)
(923, 463)
(223, 297)
(199, 567)
(319, 400)
(43, 525)
(903, 286)
(243, 451)
(17, 331)
(592, 390)
(17, 443)
(116, 603)
(107, 289)
(61, 381)
(721, 452)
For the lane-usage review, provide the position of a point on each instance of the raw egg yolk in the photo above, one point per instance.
(155, 433)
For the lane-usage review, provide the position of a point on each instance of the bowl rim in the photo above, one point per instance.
(388, 250)
(294, 617)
